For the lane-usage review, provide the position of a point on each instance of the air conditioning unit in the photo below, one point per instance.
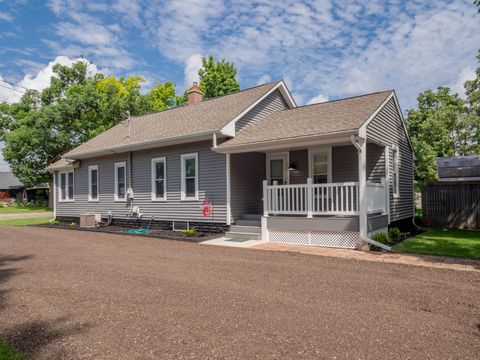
(89, 220)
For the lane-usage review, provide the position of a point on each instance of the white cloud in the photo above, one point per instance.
(3, 164)
(39, 81)
(318, 99)
(192, 65)
(264, 79)
(466, 74)
(6, 16)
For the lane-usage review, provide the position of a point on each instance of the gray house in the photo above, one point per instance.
(251, 162)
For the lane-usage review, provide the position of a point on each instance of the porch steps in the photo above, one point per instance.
(252, 232)
(254, 223)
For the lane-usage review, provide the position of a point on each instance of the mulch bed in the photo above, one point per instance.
(121, 230)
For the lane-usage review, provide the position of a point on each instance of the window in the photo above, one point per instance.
(66, 186)
(120, 181)
(159, 179)
(320, 166)
(189, 176)
(395, 174)
(93, 183)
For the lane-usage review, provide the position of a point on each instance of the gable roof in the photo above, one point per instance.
(331, 117)
(205, 117)
(9, 181)
(458, 167)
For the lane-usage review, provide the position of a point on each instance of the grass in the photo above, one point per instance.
(9, 353)
(17, 210)
(463, 244)
(26, 221)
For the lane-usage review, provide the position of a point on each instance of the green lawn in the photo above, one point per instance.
(9, 353)
(25, 222)
(443, 242)
(15, 210)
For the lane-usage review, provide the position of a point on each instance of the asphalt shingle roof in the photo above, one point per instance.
(318, 119)
(207, 115)
(9, 181)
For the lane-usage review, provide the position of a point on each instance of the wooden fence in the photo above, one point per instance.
(451, 205)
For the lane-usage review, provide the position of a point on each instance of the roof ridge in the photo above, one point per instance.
(341, 99)
(205, 100)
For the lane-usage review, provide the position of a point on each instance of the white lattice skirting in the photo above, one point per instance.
(337, 239)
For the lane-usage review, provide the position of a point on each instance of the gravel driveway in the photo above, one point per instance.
(71, 294)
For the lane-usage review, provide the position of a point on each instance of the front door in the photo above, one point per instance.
(277, 171)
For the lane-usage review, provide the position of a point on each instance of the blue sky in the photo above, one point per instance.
(323, 49)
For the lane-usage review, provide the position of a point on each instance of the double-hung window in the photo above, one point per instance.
(66, 186)
(395, 173)
(93, 183)
(159, 179)
(320, 166)
(120, 181)
(189, 176)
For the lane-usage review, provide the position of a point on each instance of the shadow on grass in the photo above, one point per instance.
(31, 337)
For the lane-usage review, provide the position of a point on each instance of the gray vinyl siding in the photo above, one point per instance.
(344, 163)
(212, 183)
(247, 175)
(271, 103)
(375, 163)
(387, 128)
(300, 159)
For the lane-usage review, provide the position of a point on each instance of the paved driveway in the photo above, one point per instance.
(26, 215)
(71, 294)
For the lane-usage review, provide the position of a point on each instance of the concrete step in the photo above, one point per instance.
(252, 236)
(250, 217)
(245, 229)
(256, 223)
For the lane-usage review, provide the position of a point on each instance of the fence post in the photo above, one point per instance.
(265, 198)
(309, 198)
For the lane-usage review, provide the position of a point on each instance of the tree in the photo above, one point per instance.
(74, 108)
(217, 77)
(477, 3)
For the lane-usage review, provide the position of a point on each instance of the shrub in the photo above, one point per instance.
(381, 237)
(54, 222)
(190, 232)
(394, 234)
(72, 224)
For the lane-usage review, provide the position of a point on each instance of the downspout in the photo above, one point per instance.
(130, 165)
(55, 195)
(360, 143)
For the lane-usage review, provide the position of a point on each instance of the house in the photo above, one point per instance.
(12, 186)
(452, 202)
(250, 162)
(458, 168)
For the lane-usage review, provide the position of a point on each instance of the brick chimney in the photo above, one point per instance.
(194, 95)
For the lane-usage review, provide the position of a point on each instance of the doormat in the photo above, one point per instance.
(238, 239)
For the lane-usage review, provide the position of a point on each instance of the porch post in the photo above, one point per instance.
(309, 198)
(265, 199)
(54, 174)
(362, 183)
(229, 209)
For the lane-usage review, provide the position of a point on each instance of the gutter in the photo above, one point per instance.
(138, 146)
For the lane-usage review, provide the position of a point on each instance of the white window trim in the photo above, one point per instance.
(153, 175)
(183, 173)
(320, 150)
(285, 155)
(67, 198)
(90, 169)
(115, 195)
(395, 171)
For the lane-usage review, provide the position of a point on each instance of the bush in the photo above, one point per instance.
(72, 224)
(54, 222)
(190, 232)
(394, 234)
(381, 237)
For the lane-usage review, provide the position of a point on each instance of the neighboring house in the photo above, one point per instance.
(323, 174)
(458, 168)
(453, 201)
(10, 184)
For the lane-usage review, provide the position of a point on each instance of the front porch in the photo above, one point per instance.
(312, 195)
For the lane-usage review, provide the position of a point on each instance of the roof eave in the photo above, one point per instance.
(144, 145)
(293, 142)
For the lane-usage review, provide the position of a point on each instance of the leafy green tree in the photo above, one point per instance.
(74, 108)
(217, 77)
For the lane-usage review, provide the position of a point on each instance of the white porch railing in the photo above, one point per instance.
(321, 199)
